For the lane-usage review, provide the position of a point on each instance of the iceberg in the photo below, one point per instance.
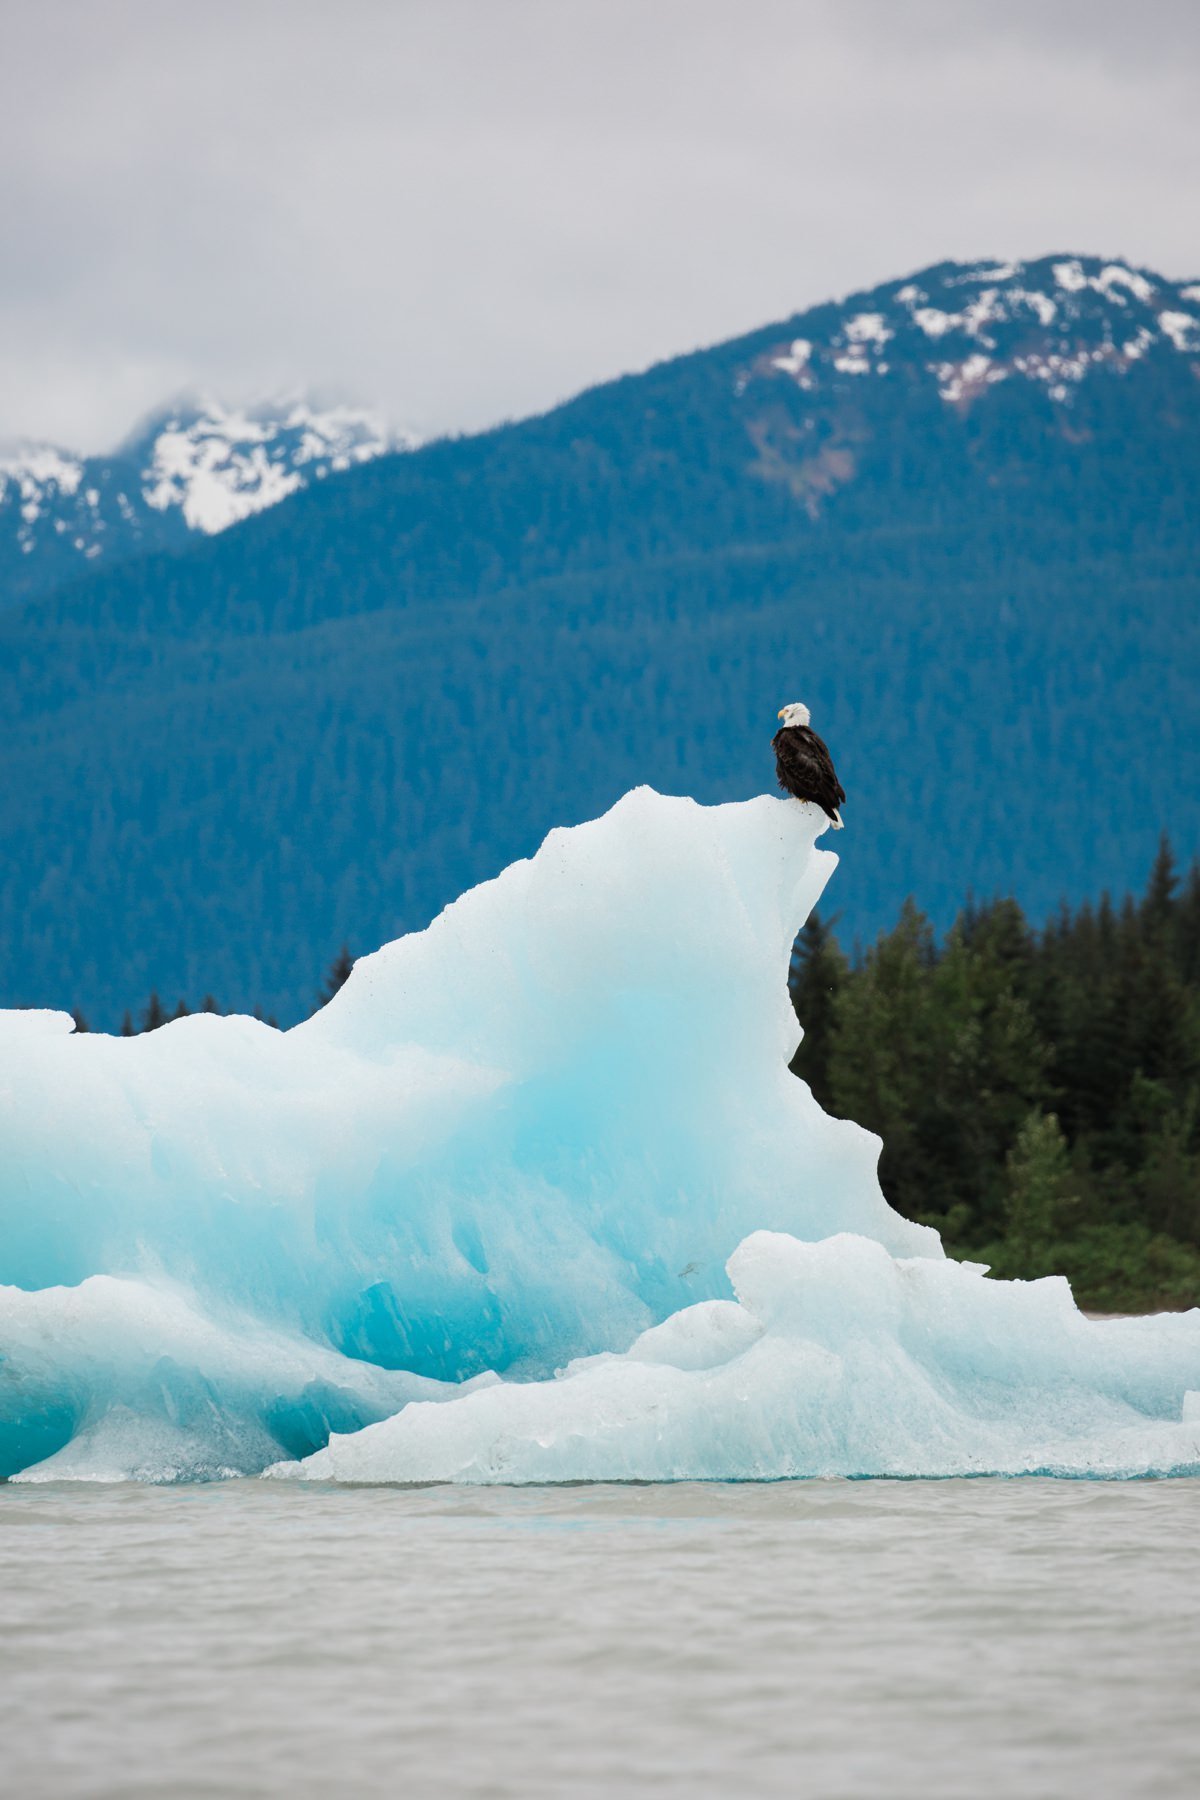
(518, 1137)
(535, 1197)
(835, 1358)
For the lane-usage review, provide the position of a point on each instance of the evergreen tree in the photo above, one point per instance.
(1040, 1191)
(815, 980)
(1038, 1093)
(154, 1016)
(1167, 1183)
(879, 1066)
(988, 1067)
(1187, 928)
(1157, 909)
(338, 976)
(127, 1024)
(81, 1023)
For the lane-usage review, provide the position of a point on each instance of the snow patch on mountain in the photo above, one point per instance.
(218, 465)
(956, 381)
(1111, 279)
(868, 328)
(933, 322)
(1182, 329)
(795, 361)
(969, 328)
(862, 338)
(30, 480)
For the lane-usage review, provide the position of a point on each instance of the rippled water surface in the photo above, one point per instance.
(811, 1639)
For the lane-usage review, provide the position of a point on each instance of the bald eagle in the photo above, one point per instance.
(804, 765)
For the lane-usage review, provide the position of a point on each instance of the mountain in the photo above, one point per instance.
(197, 466)
(956, 514)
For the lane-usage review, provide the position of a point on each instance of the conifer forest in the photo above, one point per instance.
(1037, 1090)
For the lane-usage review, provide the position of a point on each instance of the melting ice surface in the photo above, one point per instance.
(534, 1198)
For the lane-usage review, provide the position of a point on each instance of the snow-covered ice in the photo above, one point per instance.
(527, 1139)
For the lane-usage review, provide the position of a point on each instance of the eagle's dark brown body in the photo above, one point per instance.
(805, 769)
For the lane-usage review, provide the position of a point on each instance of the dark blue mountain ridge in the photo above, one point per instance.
(956, 514)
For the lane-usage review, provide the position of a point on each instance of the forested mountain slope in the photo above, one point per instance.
(956, 515)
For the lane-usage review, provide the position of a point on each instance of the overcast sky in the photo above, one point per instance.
(463, 210)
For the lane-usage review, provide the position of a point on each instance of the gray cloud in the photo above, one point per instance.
(468, 209)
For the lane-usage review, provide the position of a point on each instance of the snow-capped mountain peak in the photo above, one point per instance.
(217, 464)
(198, 466)
(966, 328)
(32, 477)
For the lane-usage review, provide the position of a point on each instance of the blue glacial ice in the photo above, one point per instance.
(834, 1359)
(472, 1220)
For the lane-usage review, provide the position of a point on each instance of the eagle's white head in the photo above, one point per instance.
(795, 714)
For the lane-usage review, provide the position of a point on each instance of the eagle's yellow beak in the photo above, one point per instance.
(781, 712)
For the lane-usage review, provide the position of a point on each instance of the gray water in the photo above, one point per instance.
(812, 1639)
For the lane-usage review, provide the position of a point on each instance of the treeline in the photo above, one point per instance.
(155, 1013)
(1037, 1091)
(622, 591)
